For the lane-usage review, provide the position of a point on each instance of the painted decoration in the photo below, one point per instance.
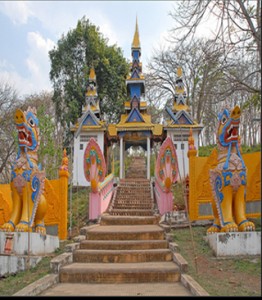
(228, 179)
(167, 164)
(27, 178)
(94, 164)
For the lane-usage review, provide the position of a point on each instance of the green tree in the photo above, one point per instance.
(71, 60)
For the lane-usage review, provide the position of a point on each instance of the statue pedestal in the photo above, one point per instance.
(22, 250)
(235, 243)
(32, 243)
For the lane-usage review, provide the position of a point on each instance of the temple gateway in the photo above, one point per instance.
(135, 128)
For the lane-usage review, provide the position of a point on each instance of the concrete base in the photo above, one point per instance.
(12, 264)
(32, 243)
(26, 250)
(235, 243)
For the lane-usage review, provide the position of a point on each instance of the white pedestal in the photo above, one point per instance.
(32, 243)
(235, 243)
(27, 250)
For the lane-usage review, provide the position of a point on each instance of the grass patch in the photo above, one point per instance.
(249, 266)
(78, 211)
(178, 192)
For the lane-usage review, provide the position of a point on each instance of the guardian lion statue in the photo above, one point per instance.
(228, 179)
(27, 179)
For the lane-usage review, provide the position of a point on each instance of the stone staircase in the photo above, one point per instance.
(131, 253)
(133, 197)
(137, 168)
(128, 246)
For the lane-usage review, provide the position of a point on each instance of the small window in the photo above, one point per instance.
(182, 146)
(81, 146)
(176, 146)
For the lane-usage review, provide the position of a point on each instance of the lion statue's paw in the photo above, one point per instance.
(213, 229)
(246, 226)
(7, 227)
(40, 229)
(22, 227)
(231, 227)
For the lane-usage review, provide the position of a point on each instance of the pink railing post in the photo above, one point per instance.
(101, 187)
(166, 173)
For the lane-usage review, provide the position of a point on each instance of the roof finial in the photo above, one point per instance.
(136, 41)
(179, 71)
(92, 75)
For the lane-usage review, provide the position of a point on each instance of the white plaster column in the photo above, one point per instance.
(124, 159)
(121, 158)
(148, 157)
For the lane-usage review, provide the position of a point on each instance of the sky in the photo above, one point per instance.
(30, 29)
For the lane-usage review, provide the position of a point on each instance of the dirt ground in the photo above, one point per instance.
(238, 276)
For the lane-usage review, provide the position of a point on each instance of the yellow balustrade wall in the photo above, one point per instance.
(6, 203)
(200, 193)
(56, 193)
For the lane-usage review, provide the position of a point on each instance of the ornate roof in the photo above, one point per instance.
(90, 119)
(180, 113)
(135, 120)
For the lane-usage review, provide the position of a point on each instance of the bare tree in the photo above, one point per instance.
(224, 69)
(8, 103)
(238, 30)
(202, 68)
(209, 84)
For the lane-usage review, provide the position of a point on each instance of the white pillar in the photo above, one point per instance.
(121, 158)
(124, 159)
(148, 158)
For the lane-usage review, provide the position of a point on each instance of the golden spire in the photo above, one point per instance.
(91, 89)
(136, 41)
(179, 72)
(92, 75)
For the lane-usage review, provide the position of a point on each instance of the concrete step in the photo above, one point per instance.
(128, 220)
(125, 232)
(126, 189)
(133, 183)
(124, 245)
(134, 200)
(120, 272)
(132, 212)
(140, 197)
(136, 175)
(132, 207)
(141, 182)
(121, 256)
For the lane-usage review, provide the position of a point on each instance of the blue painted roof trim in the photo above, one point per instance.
(89, 120)
(87, 115)
(171, 114)
(134, 116)
(187, 117)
